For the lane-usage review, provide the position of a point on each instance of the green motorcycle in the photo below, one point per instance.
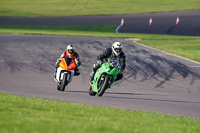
(104, 77)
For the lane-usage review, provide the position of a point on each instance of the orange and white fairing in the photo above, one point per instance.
(67, 64)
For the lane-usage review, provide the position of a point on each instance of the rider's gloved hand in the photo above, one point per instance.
(77, 64)
(99, 62)
(57, 62)
(59, 59)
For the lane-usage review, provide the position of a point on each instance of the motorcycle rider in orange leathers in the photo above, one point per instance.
(70, 52)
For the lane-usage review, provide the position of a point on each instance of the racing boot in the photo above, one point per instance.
(77, 72)
(91, 77)
(55, 73)
(56, 66)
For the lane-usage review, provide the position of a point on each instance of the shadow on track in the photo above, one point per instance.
(132, 94)
(148, 66)
(77, 91)
(151, 99)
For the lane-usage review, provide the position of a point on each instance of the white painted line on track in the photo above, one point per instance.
(165, 52)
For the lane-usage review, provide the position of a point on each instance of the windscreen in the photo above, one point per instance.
(68, 61)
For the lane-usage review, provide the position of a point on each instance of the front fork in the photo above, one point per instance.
(109, 82)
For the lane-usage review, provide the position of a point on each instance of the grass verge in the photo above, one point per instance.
(91, 7)
(185, 46)
(30, 115)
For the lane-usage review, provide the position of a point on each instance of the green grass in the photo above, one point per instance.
(188, 47)
(185, 46)
(33, 8)
(34, 115)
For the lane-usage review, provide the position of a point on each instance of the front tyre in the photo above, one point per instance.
(58, 87)
(64, 82)
(103, 86)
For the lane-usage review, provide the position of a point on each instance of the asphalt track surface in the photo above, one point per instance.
(163, 23)
(154, 81)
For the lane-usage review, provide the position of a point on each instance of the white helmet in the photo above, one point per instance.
(117, 48)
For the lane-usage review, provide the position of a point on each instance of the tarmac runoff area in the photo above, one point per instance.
(154, 81)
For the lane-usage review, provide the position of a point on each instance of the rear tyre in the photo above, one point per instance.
(64, 82)
(91, 92)
(103, 86)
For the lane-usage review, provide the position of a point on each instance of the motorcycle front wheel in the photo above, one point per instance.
(58, 87)
(103, 86)
(64, 82)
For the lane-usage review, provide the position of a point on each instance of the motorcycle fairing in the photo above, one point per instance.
(104, 70)
(67, 64)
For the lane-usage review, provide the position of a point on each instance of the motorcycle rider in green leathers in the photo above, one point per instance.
(114, 52)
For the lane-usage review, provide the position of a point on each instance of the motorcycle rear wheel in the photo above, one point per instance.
(91, 92)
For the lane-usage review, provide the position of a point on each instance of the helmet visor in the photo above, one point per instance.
(118, 50)
(71, 51)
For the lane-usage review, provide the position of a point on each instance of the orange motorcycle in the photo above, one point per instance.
(65, 72)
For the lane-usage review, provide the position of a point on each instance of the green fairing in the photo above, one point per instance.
(113, 72)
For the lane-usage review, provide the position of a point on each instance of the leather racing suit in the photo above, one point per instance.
(109, 54)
